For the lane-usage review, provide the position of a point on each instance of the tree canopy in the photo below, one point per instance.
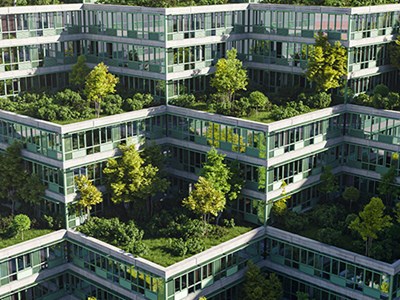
(394, 52)
(205, 199)
(130, 178)
(327, 64)
(370, 222)
(99, 83)
(79, 72)
(20, 224)
(351, 194)
(230, 76)
(16, 183)
(88, 195)
(387, 186)
(328, 183)
(257, 286)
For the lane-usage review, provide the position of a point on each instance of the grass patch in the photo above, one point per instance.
(159, 247)
(261, 116)
(28, 235)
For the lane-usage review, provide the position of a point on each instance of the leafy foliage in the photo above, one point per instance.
(123, 235)
(371, 221)
(327, 64)
(88, 195)
(257, 286)
(185, 100)
(205, 199)
(20, 224)
(99, 83)
(291, 109)
(351, 194)
(130, 178)
(163, 3)
(394, 52)
(229, 76)
(328, 182)
(79, 72)
(16, 183)
(387, 186)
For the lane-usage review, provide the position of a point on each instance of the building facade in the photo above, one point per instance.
(170, 51)
(167, 52)
(356, 141)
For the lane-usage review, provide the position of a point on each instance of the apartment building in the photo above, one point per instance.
(170, 51)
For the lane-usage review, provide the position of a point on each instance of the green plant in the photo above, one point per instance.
(21, 223)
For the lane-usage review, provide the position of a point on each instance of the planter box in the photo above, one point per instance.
(306, 269)
(338, 280)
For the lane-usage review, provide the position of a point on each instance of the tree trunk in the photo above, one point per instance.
(218, 217)
(88, 212)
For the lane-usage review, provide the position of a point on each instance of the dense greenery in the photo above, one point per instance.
(370, 222)
(381, 97)
(327, 64)
(99, 83)
(131, 179)
(70, 105)
(331, 221)
(17, 185)
(88, 195)
(394, 52)
(260, 286)
(123, 235)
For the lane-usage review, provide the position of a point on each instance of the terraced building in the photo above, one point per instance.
(166, 52)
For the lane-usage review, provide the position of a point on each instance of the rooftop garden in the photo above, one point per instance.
(367, 225)
(147, 218)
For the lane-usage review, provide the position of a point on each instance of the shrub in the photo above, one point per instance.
(185, 100)
(20, 224)
(229, 223)
(259, 101)
(123, 235)
(329, 236)
(382, 90)
(112, 104)
(295, 222)
(321, 100)
(5, 224)
(239, 108)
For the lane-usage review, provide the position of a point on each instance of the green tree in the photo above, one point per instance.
(79, 72)
(259, 101)
(302, 296)
(20, 224)
(230, 76)
(387, 186)
(217, 172)
(16, 184)
(205, 199)
(88, 195)
(99, 83)
(394, 52)
(351, 194)
(257, 286)
(370, 222)
(327, 64)
(328, 183)
(279, 207)
(130, 178)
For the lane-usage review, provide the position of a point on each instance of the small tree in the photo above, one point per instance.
(99, 83)
(280, 207)
(257, 286)
(79, 72)
(229, 76)
(205, 199)
(394, 52)
(216, 171)
(16, 184)
(258, 100)
(371, 221)
(20, 224)
(302, 296)
(387, 186)
(327, 64)
(89, 195)
(351, 194)
(130, 178)
(328, 183)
